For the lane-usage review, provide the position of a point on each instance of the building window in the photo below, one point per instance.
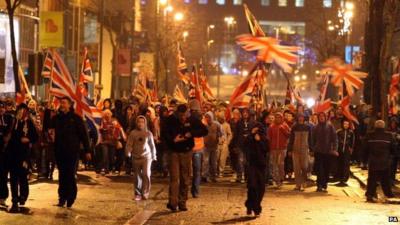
(299, 3)
(327, 3)
(221, 2)
(237, 2)
(265, 2)
(203, 2)
(282, 3)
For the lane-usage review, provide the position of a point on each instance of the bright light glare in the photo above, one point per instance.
(348, 14)
(297, 78)
(304, 77)
(163, 2)
(349, 6)
(245, 73)
(169, 8)
(310, 102)
(178, 16)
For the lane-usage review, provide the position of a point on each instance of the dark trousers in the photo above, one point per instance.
(119, 159)
(255, 188)
(196, 168)
(393, 171)
(383, 177)
(322, 168)
(3, 177)
(19, 181)
(67, 188)
(343, 166)
(179, 169)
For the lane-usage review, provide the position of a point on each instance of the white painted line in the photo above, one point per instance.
(140, 218)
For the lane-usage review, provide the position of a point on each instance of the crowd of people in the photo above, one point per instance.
(194, 143)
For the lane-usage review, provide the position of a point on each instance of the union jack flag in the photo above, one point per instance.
(345, 104)
(86, 74)
(249, 88)
(207, 93)
(182, 66)
(344, 74)
(63, 84)
(47, 65)
(269, 50)
(322, 104)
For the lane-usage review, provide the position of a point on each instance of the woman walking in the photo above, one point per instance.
(140, 146)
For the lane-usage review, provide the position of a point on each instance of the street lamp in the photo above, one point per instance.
(163, 2)
(185, 34)
(297, 78)
(304, 77)
(179, 16)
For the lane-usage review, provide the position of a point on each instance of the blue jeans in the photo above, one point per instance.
(196, 164)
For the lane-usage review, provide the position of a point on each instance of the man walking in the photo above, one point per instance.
(5, 125)
(69, 132)
(278, 135)
(324, 142)
(379, 146)
(181, 131)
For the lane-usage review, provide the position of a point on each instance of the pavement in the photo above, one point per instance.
(108, 200)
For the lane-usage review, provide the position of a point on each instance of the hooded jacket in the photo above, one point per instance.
(140, 143)
(324, 138)
(300, 138)
(379, 146)
(278, 135)
(214, 133)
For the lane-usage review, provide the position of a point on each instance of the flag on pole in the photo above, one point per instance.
(344, 74)
(182, 67)
(47, 65)
(178, 95)
(254, 26)
(245, 92)
(322, 104)
(269, 50)
(195, 84)
(63, 85)
(205, 87)
(86, 74)
(289, 94)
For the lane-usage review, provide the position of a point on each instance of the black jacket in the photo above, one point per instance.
(174, 128)
(5, 128)
(16, 150)
(243, 130)
(256, 151)
(379, 146)
(70, 132)
(346, 139)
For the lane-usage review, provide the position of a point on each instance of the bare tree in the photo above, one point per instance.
(12, 5)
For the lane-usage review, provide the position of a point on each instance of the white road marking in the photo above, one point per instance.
(140, 218)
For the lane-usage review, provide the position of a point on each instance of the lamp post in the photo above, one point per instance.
(207, 61)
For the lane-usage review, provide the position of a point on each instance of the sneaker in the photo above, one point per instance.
(61, 203)
(103, 172)
(14, 208)
(249, 212)
(183, 208)
(70, 203)
(319, 189)
(372, 200)
(172, 208)
(297, 189)
(138, 198)
(3, 202)
(242, 181)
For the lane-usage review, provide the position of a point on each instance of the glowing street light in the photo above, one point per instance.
(349, 6)
(230, 20)
(297, 78)
(185, 34)
(211, 26)
(163, 2)
(179, 16)
(169, 8)
(210, 42)
(304, 77)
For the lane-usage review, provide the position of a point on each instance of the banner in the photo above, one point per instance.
(124, 62)
(51, 29)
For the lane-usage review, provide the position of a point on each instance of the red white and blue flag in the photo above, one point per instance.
(63, 85)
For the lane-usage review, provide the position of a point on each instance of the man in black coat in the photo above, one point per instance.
(179, 136)
(5, 125)
(256, 153)
(69, 133)
(379, 147)
(22, 136)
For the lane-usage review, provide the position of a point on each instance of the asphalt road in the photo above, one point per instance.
(108, 200)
